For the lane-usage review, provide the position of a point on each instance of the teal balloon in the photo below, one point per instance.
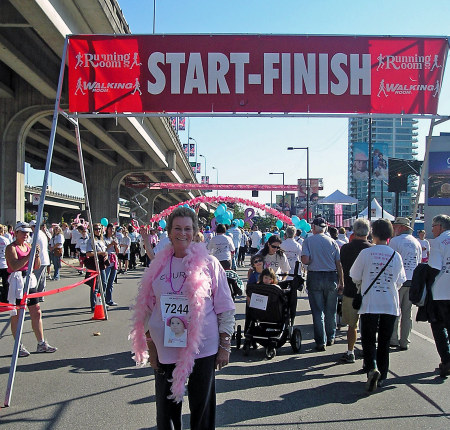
(186, 205)
(162, 223)
(225, 207)
(219, 211)
(104, 222)
(267, 236)
(229, 214)
(295, 220)
(302, 224)
(227, 221)
(241, 223)
(221, 219)
(307, 228)
(279, 223)
(282, 233)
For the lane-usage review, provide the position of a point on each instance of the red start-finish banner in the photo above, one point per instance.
(255, 73)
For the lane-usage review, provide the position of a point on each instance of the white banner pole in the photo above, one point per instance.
(88, 210)
(18, 336)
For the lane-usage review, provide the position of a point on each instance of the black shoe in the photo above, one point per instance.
(112, 304)
(330, 342)
(372, 380)
(320, 348)
(403, 348)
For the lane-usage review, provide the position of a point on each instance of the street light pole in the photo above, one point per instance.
(280, 173)
(217, 177)
(291, 148)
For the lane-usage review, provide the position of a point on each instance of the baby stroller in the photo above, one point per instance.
(269, 316)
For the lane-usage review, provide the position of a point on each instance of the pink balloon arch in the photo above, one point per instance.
(219, 199)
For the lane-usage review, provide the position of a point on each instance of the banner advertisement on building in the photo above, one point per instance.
(360, 165)
(439, 179)
(255, 73)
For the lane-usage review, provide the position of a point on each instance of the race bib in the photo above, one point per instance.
(174, 313)
(258, 301)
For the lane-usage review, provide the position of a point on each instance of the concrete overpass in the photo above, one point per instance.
(32, 34)
(60, 205)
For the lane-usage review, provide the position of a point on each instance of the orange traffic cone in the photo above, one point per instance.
(99, 313)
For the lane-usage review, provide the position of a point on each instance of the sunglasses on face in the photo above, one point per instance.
(275, 246)
(257, 261)
(97, 229)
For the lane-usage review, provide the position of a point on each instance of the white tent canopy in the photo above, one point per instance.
(336, 198)
(377, 208)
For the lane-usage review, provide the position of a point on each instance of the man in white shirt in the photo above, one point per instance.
(221, 245)
(411, 252)
(235, 235)
(292, 249)
(440, 261)
(256, 238)
(425, 246)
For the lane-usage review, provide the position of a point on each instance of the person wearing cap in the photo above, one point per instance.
(325, 279)
(17, 257)
(42, 241)
(208, 234)
(410, 250)
(360, 166)
(440, 261)
(235, 235)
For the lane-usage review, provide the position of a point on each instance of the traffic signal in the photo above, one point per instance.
(254, 193)
(399, 170)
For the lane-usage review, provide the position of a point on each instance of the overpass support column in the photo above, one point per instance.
(103, 192)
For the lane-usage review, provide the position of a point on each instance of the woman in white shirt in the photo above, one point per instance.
(274, 257)
(221, 245)
(380, 306)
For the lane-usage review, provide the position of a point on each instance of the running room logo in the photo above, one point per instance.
(408, 62)
(107, 61)
(101, 87)
(385, 88)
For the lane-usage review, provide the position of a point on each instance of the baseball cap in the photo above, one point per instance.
(23, 226)
(320, 222)
(32, 223)
(403, 221)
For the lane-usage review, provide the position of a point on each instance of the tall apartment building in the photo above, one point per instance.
(391, 137)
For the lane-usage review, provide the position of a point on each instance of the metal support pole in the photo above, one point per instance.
(88, 210)
(51, 144)
(369, 180)
(308, 185)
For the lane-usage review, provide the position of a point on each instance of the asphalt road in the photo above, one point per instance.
(91, 381)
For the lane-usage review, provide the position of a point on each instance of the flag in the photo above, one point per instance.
(182, 123)
(186, 149)
(199, 168)
(174, 122)
(192, 150)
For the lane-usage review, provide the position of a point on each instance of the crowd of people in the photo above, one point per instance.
(185, 301)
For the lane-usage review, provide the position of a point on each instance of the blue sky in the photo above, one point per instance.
(246, 150)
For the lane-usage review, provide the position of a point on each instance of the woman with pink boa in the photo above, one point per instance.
(185, 282)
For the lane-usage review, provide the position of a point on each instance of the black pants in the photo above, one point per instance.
(441, 329)
(201, 396)
(377, 356)
(5, 286)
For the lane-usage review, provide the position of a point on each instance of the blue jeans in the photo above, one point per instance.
(110, 275)
(56, 265)
(322, 295)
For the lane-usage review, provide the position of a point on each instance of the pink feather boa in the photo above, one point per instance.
(196, 288)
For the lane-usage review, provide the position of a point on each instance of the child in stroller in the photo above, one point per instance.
(270, 314)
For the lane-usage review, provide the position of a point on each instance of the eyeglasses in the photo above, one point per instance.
(97, 228)
(275, 246)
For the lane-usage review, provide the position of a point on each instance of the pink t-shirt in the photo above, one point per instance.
(219, 300)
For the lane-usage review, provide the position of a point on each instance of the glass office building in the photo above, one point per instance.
(391, 137)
